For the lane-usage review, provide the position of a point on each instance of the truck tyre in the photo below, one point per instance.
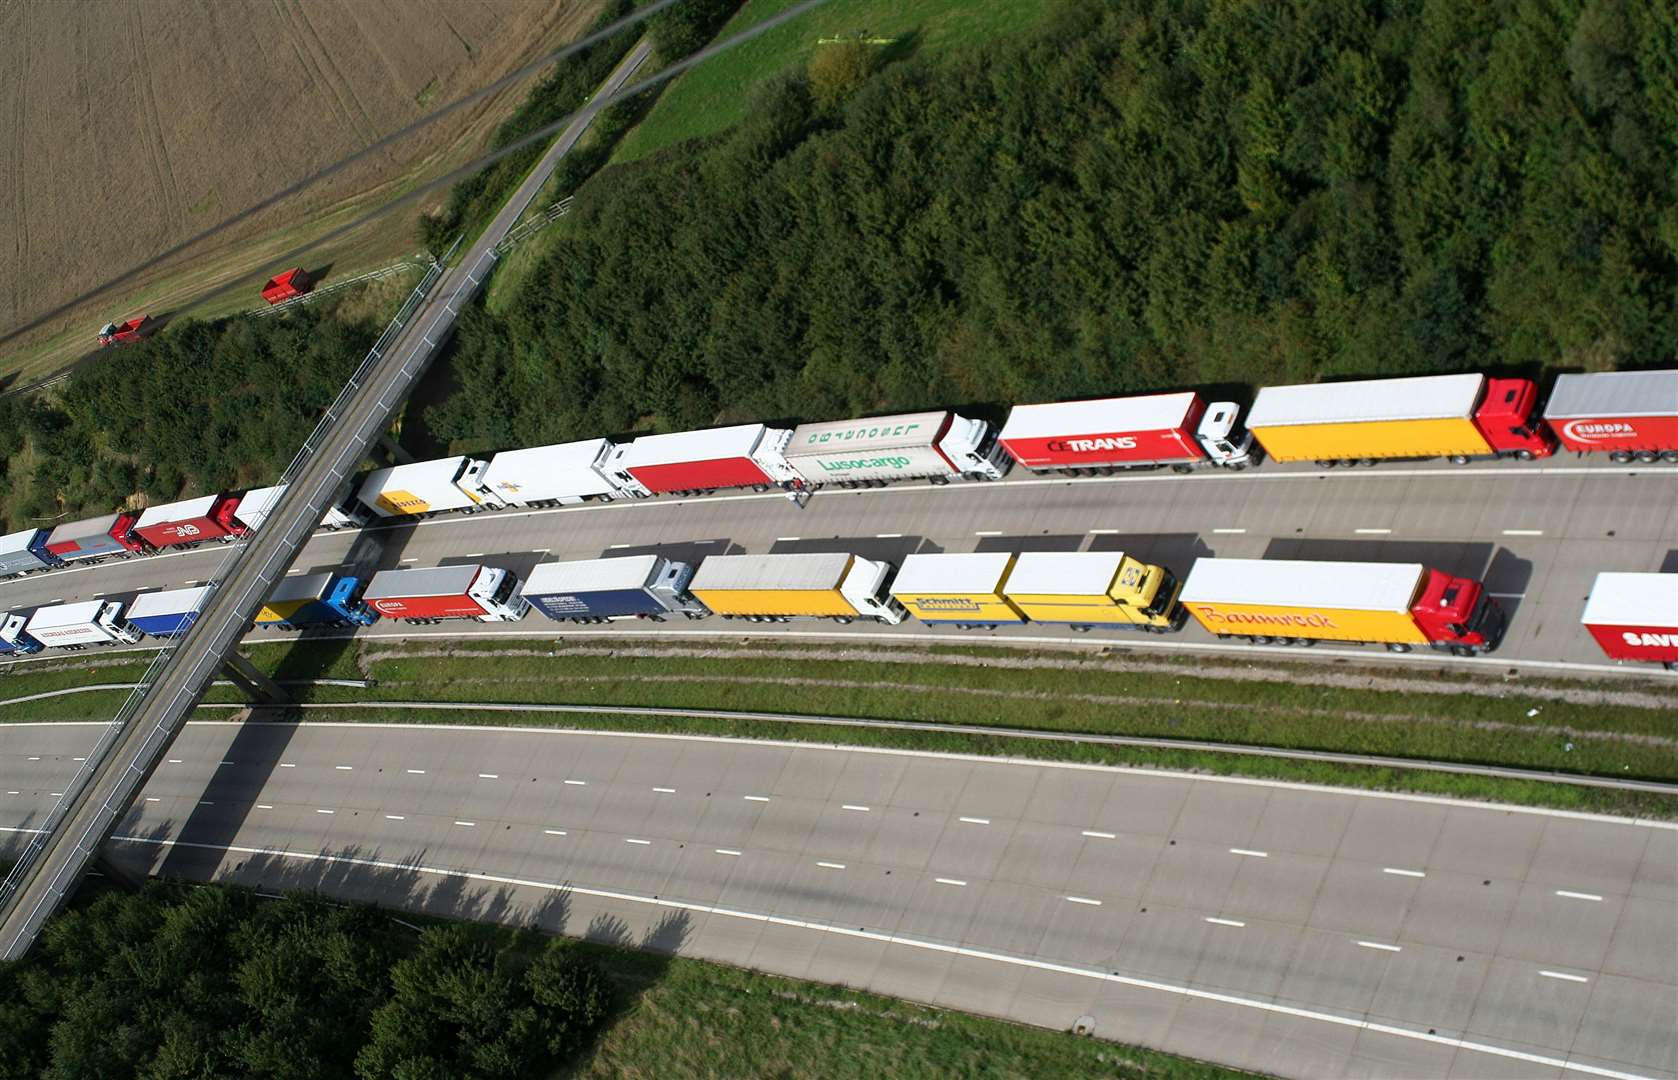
(1236, 466)
(1650, 456)
(1182, 469)
(1398, 647)
(843, 620)
(1525, 455)
(1671, 665)
(1326, 463)
(1459, 459)
(1669, 455)
(1368, 462)
(1620, 457)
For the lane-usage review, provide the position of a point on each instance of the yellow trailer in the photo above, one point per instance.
(832, 585)
(963, 589)
(1095, 588)
(1423, 417)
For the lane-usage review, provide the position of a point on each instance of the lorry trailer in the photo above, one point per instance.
(560, 475)
(1148, 431)
(25, 552)
(963, 590)
(89, 622)
(1635, 617)
(1460, 417)
(746, 455)
(936, 446)
(169, 613)
(324, 599)
(14, 641)
(1086, 589)
(833, 585)
(1629, 415)
(484, 593)
(346, 512)
(191, 521)
(597, 590)
(427, 487)
(1399, 605)
(95, 538)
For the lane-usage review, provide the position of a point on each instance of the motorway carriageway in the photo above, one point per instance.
(1536, 534)
(1277, 927)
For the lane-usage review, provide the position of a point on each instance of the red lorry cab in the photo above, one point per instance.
(1457, 611)
(1507, 419)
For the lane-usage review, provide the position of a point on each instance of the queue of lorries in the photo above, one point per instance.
(1630, 416)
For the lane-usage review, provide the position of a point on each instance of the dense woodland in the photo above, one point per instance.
(180, 981)
(1152, 194)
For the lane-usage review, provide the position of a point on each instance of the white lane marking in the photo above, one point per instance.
(1402, 872)
(1371, 532)
(1523, 532)
(1225, 922)
(205, 802)
(988, 532)
(1099, 835)
(467, 824)
(474, 555)
(37, 758)
(264, 806)
(617, 546)
(1250, 853)
(415, 559)
(577, 783)
(888, 536)
(326, 811)
(224, 762)
(727, 851)
(1578, 895)
(1230, 532)
(949, 881)
(555, 832)
(632, 840)
(395, 817)
(787, 539)
(976, 820)
(1564, 976)
(84, 759)
(1084, 900)
(172, 761)
(56, 794)
(149, 798)
(1104, 532)
(755, 798)
(287, 765)
(665, 790)
(1508, 595)
(854, 806)
(416, 772)
(344, 768)
(489, 776)
(832, 865)
(1378, 945)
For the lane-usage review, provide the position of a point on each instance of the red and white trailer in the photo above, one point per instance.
(1628, 415)
(1179, 430)
(484, 593)
(747, 455)
(1635, 617)
(191, 521)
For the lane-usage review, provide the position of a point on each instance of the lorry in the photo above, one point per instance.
(191, 521)
(255, 506)
(1635, 617)
(470, 591)
(1460, 417)
(963, 590)
(560, 475)
(1087, 589)
(324, 599)
(428, 487)
(693, 462)
(1630, 415)
(170, 613)
(87, 622)
(96, 538)
(25, 552)
(598, 590)
(1295, 601)
(1081, 438)
(776, 588)
(935, 446)
(14, 641)
(129, 330)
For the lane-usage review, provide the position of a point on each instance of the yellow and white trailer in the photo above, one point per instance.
(1095, 588)
(822, 585)
(1423, 417)
(966, 590)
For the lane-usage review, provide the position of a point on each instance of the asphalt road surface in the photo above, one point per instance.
(1536, 534)
(1296, 931)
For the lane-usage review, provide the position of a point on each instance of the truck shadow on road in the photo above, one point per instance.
(891, 549)
(1174, 551)
(690, 552)
(1043, 541)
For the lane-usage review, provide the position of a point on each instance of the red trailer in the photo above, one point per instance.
(747, 455)
(95, 538)
(1635, 617)
(281, 287)
(471, 591)
(1178, 429)
(1628, 415)
(193, 521)
(124, 332)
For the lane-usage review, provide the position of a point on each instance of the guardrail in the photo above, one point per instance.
(316, 294)
(524, 229)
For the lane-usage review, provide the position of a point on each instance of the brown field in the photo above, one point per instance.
(129, 125)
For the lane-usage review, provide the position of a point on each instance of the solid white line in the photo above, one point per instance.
(1249, 852)
(416, 772)
(1224, 922)
(755, 798)
(325, 811)
(1523, 532)
(853, 806)
(665, 790)
(555, 832)
(467, 824)
(949, 881)
(976, 820)
(1579, 895)
(1402, 873)
(632, 840)
(1084, 900)
(1233, 532)
(1372, 532)
(489, 776)
(1563, 976)
(1101, 835)
(832, 865)
(1378, 945)
(727, 851)
(395, 817)
(577, 783)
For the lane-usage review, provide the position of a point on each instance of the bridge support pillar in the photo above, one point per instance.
(254, 682)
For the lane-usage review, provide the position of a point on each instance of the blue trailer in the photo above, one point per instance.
(13, 640)
(170, 613)
(23, 552)
(324, 599)
(594, 590)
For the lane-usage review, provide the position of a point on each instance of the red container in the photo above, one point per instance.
(1634, 616)
(700, 475)
(1605, 434)
(1658, 644)
(459, 606)
(1157, 428)
(190, 522)
(282, 287)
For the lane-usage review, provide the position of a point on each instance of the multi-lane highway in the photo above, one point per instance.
(1537, 534)
(1290, 930)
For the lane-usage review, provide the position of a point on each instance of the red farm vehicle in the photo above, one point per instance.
(287, 286)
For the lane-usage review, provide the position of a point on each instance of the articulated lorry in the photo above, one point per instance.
(1080, 438)
(428, 487)
(483, 593)
(191, 521)
(311, 600)
(346, 512)
(1400, 605)
(836, 586)
(169, 613)
(625, 587)
(935, 446)
(14, 639)
(95, 538)
(1628, 415)
(25, 552)
(693, 462)
(560, 475)
(1635, 617)
(962, 590)
(89, 622)
(1089, 589)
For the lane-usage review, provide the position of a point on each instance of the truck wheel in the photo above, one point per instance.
(1671, 665)
(1459, 459)
(1525, 455)
(1236, 466)
(1620, 457)
(1397, 646)
(1325, 463)
(1182, 469)
(843, 620)
(1368, 462)
(1650, 456)
(1669, 455)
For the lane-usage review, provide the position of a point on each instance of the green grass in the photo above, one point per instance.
(713, 96)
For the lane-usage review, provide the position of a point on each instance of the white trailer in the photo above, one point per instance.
(89, 622)
(745, 455)
(936, 446)
(428, 487)
(255, 506)
(562, 474)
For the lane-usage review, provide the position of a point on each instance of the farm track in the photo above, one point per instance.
(157, 150)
